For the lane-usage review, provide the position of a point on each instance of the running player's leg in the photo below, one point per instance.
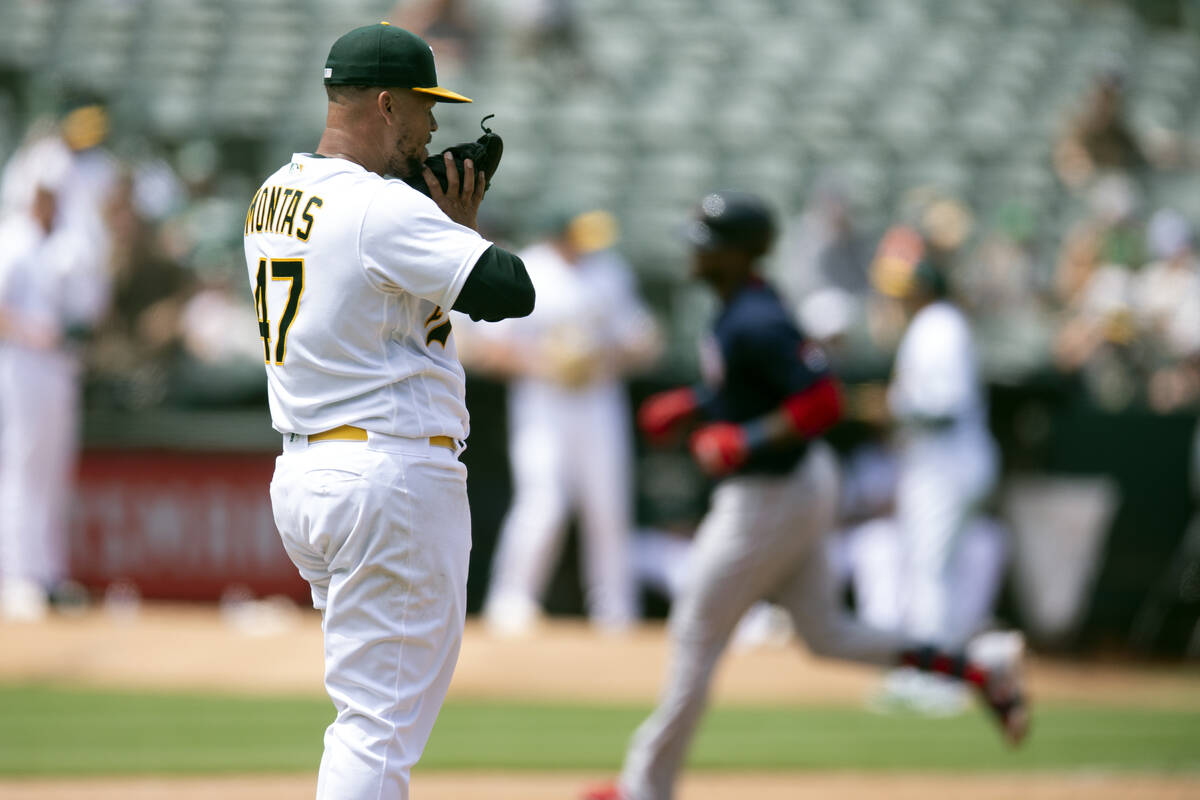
(730, 567)
(811, 598)
(810, 593)
(992, 667)
(810, 590)
(828, 630)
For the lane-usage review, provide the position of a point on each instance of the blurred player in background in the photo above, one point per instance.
(54, 288)
(73, 145)
(767, 397)
(947, 462)
(569, 422)
(869, 554)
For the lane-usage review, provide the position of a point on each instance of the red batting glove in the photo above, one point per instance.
(661, 413)
(720, 448)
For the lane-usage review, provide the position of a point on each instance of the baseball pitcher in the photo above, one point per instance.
(353, 273)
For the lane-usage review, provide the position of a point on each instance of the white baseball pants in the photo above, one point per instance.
(39, 442)
(568, 450)
(763, 538)
(939, 492)
(381, 530)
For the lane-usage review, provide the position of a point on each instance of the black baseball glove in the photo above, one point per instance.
(485, 152)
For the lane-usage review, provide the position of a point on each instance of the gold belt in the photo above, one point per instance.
(350, 433)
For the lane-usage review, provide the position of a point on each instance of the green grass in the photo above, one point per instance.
(46, 730)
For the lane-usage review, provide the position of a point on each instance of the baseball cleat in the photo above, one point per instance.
(511, 616)
(23, 601)
(606, 791)
(1000, 653)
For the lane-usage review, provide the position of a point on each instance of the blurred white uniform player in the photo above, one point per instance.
(947, 460)
(569, 424)
(53, 283)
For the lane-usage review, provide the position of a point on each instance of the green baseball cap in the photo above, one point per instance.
(384, 55)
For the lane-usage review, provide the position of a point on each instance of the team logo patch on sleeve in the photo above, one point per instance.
(437, 327)
(814, 357)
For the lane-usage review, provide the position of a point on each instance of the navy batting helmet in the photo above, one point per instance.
(728, 219)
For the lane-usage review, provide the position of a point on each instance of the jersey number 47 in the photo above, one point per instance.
(278, 269)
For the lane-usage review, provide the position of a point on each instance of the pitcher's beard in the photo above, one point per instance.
(405, 166)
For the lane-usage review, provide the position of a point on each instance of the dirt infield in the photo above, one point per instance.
(709, 786)
(276, 649)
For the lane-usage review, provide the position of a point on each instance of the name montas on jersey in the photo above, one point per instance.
(274, 209)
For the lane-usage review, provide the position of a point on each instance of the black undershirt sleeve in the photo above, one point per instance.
(497, 288)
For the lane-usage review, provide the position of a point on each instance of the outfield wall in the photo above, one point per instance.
(179, 526)
(176, 502)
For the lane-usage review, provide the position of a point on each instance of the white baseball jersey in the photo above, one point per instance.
(83, 182)
(353, 276)
(936, 375)
(49, 282)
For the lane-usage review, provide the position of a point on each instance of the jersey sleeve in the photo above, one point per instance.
(497, 287)
(408, 244)
(633, 325)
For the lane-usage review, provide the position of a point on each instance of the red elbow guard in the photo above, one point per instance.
(816, 409)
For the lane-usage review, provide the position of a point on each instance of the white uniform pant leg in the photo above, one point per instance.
(977, 571)
(931, 512)
(750, 542)
(936, 497)
(532, 533)
(384, 539)
(601, 470)
(38, 449)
